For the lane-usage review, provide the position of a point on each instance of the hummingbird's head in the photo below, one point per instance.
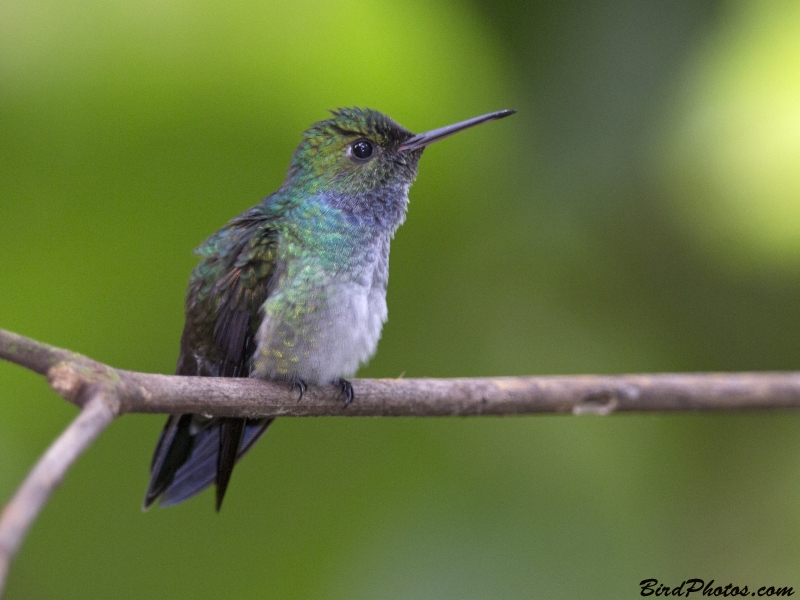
(362, 162)
(355, 151)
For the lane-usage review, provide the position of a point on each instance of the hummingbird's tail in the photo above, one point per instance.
(194, 451)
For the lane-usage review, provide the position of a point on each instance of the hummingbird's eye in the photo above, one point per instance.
(361, 149)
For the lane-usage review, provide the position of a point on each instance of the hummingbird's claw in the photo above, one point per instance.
(347, 391)
(298, 383)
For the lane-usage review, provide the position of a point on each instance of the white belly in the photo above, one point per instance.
(322, 338)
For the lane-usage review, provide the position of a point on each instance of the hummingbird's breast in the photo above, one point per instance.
(324, 316)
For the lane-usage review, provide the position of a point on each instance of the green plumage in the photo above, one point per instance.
(294, 289)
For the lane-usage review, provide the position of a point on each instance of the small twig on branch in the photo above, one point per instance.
(23, 508)
(105, 392)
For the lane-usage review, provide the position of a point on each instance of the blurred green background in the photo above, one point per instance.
(640, 214)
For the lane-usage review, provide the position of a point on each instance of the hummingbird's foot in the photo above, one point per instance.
(347, 391)
(298, 383)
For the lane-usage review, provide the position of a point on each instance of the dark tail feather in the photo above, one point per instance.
(173, 449)
(187, 457)
(231, 432)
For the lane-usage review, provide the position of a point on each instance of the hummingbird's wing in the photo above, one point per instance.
(226, 292)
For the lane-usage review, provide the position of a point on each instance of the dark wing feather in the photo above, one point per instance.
(223, 304)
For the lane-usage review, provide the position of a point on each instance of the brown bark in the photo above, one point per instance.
(104, 393)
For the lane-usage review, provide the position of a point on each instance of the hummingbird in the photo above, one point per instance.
(293, 289)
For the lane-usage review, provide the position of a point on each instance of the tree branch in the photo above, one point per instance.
(105, 392)
(70, 374)
(23, 508)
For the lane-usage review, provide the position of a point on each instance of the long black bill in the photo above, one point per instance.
(426, 139)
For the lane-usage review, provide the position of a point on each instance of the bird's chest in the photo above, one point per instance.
(324, 315)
